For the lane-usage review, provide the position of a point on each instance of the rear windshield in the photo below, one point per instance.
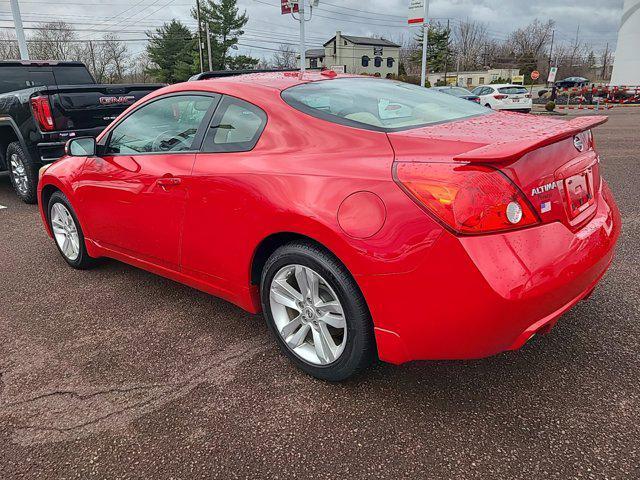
(513, 90)
(376, 104)
(14, 78)
(458, 92)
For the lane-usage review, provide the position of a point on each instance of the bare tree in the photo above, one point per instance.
(54, 41)
(470, 42)
(96, 58)
(285, 57)
(8, 46)
(116, 52)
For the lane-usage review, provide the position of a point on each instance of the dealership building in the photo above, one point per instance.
(357, 55)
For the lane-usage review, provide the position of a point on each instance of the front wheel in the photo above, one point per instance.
(67, 232)
(316, 312)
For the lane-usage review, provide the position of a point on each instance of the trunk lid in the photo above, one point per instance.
(91, 106)
(542, 156)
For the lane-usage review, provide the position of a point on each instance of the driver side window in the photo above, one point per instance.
(169, 124)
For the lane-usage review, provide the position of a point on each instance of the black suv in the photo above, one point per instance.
(42, 105)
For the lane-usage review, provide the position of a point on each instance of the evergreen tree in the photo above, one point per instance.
(439, 52)
(173, 50)
(225, 27)
(242, 62)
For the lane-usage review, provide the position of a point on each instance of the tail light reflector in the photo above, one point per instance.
(469, 200)
(500, 96)
(42, 112)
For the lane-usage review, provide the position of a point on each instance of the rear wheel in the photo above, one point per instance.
(67, 232)
(317, 312)
(23, 173)
(487, 105)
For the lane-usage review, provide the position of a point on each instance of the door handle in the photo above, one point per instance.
(168, 181)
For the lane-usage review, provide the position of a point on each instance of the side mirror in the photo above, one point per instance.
(81, 147)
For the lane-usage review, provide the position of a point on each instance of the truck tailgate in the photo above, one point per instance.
(91, 106)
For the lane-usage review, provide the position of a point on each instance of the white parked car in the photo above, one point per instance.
(505, 97)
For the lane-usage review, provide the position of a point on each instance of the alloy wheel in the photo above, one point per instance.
(19, 174)
(65, 231)
(308, 315)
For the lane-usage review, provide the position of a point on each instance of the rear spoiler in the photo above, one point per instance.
(511, 151)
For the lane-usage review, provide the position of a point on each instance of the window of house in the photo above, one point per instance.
(313, 62)
(377, 62)
(365, 61)
(481, 81)
(235, 127)
(390, 62)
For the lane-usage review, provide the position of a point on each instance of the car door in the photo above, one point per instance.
(134, 191)
(220, 210)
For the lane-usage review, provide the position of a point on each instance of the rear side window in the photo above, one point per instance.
(72, 75)
(513, 90)
(235, 127)
(19, 78)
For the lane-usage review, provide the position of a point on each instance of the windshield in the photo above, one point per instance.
(376, 104)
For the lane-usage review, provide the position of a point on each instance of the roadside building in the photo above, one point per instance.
(358, 55)
(475, 78)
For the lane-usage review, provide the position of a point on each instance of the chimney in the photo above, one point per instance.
(336, 50)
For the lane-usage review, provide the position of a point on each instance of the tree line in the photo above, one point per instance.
(172, 54)
(468, 46)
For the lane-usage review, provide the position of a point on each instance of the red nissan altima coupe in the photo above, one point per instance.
(364, 217)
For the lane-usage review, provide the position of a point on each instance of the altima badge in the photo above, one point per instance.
(577, 142)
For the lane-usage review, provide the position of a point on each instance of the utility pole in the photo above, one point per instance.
(425, 41)
(605, 60)
(199, 36)
(553, 36)
(446, 55)
(17, 21)
(206, 27)
(303, 48)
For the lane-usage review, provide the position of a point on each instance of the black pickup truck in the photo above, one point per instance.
(45, 103)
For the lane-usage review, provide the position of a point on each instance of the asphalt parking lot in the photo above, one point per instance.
(118, 373)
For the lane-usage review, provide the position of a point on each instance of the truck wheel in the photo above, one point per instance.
(23, 173)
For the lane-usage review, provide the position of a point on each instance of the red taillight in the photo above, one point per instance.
(42, 112)
(477, 100)
(468, 199)
(500, 97)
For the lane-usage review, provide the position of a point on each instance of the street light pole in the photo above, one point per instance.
(303, 48)
(425, 41)
(17, 21)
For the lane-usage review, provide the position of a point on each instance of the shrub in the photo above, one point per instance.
(550, 106)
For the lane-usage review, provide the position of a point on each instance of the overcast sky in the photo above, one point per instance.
(598, 19)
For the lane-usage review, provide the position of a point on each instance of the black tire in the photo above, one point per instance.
(84, 261)
(487, 105)
(360, 350)
(30, 194)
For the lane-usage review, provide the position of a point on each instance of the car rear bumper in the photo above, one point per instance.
(475, 297)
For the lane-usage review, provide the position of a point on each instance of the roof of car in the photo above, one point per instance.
(279, 80)
(500, 85)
